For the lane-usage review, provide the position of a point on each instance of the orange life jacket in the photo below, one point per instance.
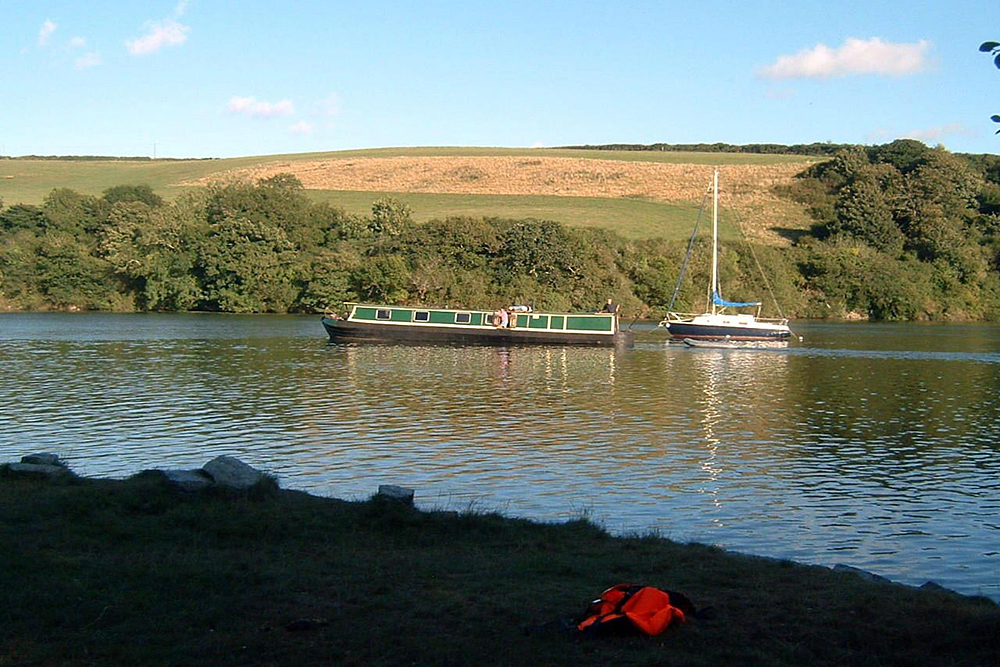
(643, 607)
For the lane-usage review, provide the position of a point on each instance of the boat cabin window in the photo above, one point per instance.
(463, 318)
(422, 316)
(383, 314)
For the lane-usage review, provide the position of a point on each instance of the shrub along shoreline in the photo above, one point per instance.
(141, 572)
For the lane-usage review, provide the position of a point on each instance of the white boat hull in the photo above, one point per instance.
(727, 327)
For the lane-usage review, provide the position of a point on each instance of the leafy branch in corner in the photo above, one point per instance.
(992, 48)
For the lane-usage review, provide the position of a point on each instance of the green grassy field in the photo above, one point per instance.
(29, 181)
(630, 217)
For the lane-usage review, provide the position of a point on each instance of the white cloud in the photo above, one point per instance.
(329, 105)
(934, 135)
(301, 127)
(158, 34)
(928, 135)
(240, 104)
(251, 107)
(180, 8)
(87, 60)
(855, 56)
(45, 32)
(77, 43)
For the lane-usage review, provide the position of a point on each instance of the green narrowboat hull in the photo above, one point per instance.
(375, 323)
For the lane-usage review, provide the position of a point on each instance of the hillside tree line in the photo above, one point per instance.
(902, 232)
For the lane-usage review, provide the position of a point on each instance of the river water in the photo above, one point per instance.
(872, 445)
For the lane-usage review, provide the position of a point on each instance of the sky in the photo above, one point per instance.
(213, 78)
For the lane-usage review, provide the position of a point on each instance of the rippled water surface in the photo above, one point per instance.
(876, 446)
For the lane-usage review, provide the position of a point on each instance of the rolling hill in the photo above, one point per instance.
(639, 194)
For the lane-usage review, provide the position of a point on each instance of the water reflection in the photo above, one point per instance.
(873, 445)
(711, 416)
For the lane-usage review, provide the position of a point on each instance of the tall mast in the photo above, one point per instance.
(715, 237)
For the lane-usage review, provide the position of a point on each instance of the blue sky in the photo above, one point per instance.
(207, 78)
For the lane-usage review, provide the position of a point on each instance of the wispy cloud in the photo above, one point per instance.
(936, 134)
(302, 127)
(87, 60)
(929, 135)
(45, 32)
(159, 34)
(854, 56)
(251, 107)
(71, 46)
(329, 105)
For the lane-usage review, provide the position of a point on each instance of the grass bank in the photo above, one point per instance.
(98, 572)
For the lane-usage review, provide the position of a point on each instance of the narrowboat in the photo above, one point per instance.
(517, 325)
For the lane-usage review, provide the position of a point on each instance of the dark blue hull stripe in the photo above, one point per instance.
(702, 332)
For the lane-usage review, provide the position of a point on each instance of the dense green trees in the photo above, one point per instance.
(265, 247)
(902, 231)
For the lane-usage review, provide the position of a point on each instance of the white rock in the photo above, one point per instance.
(43, 458)
(39, 469)
(393, 492)
(230, 471)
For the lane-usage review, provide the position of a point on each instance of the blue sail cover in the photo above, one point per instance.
(719, 301)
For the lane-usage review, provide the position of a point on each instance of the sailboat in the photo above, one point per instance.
(717, 324)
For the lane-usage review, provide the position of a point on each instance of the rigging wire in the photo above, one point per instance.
(690, 247)
(760, 269)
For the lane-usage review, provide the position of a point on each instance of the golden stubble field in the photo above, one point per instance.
(746, 190)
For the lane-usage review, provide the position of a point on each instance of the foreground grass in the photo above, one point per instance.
(133, 572)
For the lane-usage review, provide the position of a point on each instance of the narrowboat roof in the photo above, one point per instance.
(448, 309)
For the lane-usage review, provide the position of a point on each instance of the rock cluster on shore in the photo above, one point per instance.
(42, 464)
(227, 471)
(222, 471)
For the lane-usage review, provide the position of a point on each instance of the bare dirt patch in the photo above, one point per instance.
(745, 188)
